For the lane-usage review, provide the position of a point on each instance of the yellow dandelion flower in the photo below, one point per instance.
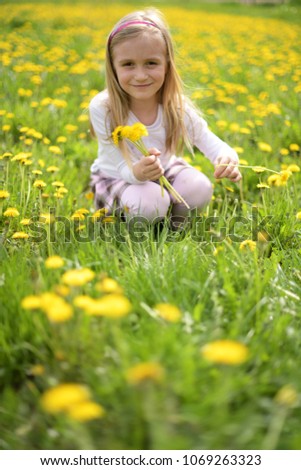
(71, 128)
(294, 147)
(293, 168)
(58, 184)
(46, 218)
(89, 196)
(11, 212)
(37, 172)
(83, 301)
(55, 150)
(264, 147)
(20, 235)
(83, 210)
(52, 169)
(110, 305)
(85, 411)
(37, 370)
(109, 220)
(135, 132)
(225, 351)
(273, 180)
(4, 194)
(77, 216)
(25, 222)
(61, 139)
(116, 135)
(58, 311)
(108, 285)
(78, 277)
(40, 184)
(298, 215)
(62, 290)
(217, 250)
(262, 237)
(31, 302)
(284, 152)
(54, 262)
(145, 371)
(168, 312)
(247, 244)
(258, 169)
(64, 396)
(287, 396)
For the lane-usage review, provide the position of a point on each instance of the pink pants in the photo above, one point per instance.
(146, 199)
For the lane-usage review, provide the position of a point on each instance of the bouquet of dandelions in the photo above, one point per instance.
(134, 134)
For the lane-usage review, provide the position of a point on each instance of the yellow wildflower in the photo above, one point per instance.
(40, 184)
(83, 301)
(145, 371)
(298, 215)
(247, 244)
(225, 351)
(78, 277)
(168, 312)
(37, 370)
(54, 262)
(63, 397)
(294, 147)
(55, 150)
(293, 168)
(31, 302)
(264, 147)
(58, 311)
(116, 135)
(108, 285)
(85, 411)
(25, 222)
(258, 169)
(47, 218)
(20, 235)
(110, 305)
(287, 396)
(4, 194)
(52, 169)
(11, 212)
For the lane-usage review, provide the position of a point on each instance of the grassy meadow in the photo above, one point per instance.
(113, 337)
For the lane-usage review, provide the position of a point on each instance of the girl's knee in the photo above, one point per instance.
(146, 201)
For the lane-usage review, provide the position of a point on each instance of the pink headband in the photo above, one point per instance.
(129, 23)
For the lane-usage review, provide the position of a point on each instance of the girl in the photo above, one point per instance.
(143, 85)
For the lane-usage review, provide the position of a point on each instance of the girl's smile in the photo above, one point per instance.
(140, 65)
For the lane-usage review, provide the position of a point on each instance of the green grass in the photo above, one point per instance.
(246, 80)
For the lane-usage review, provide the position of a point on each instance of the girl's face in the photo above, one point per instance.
(140, 64)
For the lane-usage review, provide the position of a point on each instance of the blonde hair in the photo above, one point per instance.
(171, 94)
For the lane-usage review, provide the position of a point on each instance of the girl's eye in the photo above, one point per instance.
(127, 64)
(152, 63)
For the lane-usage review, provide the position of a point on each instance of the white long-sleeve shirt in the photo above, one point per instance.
(110, 159)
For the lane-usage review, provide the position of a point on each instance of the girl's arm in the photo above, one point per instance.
(223, 157)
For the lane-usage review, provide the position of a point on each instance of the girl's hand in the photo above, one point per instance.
(149, 168)
(225, 167)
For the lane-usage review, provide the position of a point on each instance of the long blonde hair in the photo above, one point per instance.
(171, 94)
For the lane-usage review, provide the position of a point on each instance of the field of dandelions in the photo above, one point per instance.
(112, 338)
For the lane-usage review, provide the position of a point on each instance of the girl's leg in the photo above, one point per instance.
(194, 187)
(145, 200)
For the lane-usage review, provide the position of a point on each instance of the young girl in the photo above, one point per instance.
(143, 85)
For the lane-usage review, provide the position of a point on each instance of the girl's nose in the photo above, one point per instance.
(140, 74)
